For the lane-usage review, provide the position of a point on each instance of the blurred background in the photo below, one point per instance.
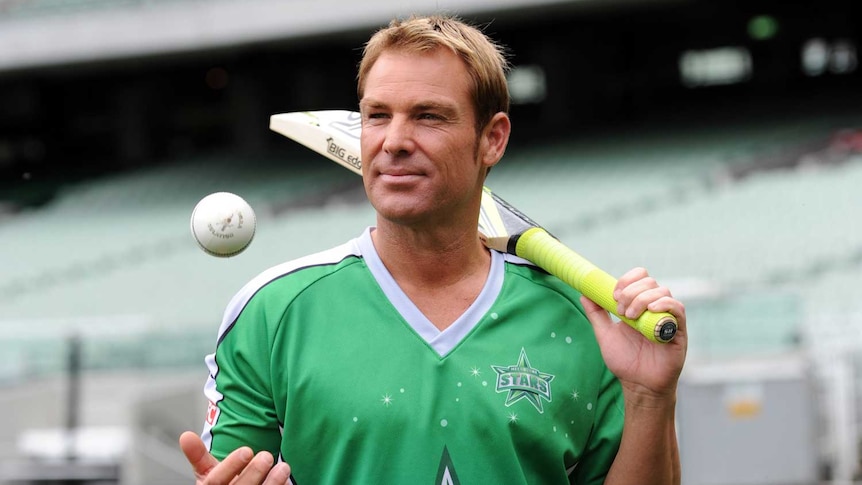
(718, 144)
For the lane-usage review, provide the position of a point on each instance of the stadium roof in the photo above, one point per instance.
(38, 33)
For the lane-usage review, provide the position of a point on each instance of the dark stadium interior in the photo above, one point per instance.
(610, 67)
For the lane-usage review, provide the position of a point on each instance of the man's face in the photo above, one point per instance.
(421, 157)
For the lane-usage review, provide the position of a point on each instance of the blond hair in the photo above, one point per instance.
(484, 59)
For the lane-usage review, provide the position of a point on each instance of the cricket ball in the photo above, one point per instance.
(223, 224)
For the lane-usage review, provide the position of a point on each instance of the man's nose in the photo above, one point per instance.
(399, 136)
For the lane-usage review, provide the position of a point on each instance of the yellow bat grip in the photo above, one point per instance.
(547, 252)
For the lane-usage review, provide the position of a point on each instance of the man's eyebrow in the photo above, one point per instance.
(372, 104)
(445, 109)
(432, 105)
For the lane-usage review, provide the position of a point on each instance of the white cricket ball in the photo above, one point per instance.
(223, 224)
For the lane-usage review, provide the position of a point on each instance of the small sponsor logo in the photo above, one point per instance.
(667, 331)
(212, 413)
(341, 153)
(224, 228)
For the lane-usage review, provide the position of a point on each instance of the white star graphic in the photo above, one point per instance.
(387, 400)
(513, 418)
(575, 395)
(475, 372)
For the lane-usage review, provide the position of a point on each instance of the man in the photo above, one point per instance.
(412, 354)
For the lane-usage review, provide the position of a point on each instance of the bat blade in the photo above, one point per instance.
(335, 134)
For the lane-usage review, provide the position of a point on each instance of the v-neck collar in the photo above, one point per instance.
(441, 341)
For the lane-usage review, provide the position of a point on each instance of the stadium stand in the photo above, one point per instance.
(141, 271)
(145, 298)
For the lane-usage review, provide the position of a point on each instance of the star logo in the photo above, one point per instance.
(522, 381)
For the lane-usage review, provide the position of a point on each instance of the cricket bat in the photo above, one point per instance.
(335, 134)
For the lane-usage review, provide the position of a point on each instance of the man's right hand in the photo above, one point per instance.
(242, 467)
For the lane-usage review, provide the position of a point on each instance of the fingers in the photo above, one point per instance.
(260, 470)
(197, 454)
(675, 308)
(279, 475)
(595, 314)
(256, 470)
(231, 467)
(242, 467)
(603, 325)
(630, 277)
(635, 290)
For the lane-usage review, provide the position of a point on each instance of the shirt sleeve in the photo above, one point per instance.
(606, 434)
(241, 410)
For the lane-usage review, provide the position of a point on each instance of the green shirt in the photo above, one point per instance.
(326, 363)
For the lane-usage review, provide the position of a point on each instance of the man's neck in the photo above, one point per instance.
(429, 258)
(441, 275)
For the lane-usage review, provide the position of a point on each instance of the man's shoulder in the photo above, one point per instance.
(305, 270)
(532, 273)
(288, 279)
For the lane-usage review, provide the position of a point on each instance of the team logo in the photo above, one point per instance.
(522, 381)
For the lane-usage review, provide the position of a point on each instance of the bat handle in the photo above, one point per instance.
(544, 250)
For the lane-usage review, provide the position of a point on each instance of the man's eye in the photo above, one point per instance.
(375, 117)
(429, 116)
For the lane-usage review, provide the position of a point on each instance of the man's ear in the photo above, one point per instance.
(495, 137)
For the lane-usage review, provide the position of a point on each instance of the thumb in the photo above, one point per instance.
(595, 314)
(197, 454)
(598, 316)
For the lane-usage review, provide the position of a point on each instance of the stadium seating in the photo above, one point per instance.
(119, 247)
(767, 263)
